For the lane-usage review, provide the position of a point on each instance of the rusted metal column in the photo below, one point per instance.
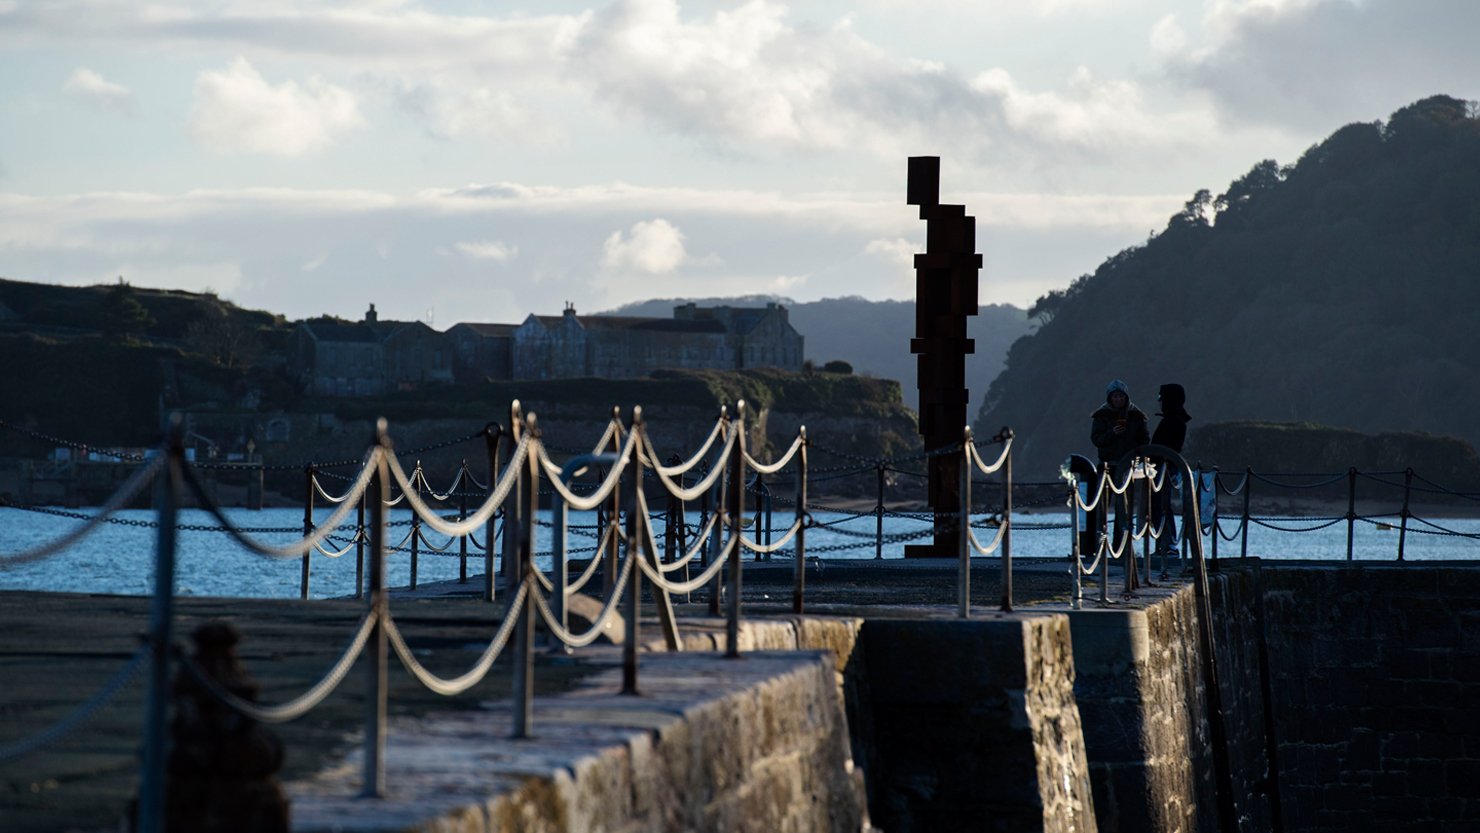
(152, 787)
(635, 549)
(415, 524)
(963, 540)
(879, 514)
(360, 539)
(1243, 551)
(945, 296)
(1004, 437)
(462, 514)
(1351, 509)
(1404, 514)
(523, 567)
(491, 435)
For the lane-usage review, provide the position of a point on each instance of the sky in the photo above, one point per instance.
(468, 161)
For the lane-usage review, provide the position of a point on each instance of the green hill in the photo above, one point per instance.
(1339, 290)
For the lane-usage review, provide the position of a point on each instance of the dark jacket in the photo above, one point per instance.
(1171, 431)
(1114, 446)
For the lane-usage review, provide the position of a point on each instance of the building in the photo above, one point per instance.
(331, 357)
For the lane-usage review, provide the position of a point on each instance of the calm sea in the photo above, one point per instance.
(118, 558)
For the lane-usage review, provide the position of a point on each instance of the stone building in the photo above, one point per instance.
(330, 357)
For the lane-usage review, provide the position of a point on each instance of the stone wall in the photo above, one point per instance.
(975, 725)
(1376, 677)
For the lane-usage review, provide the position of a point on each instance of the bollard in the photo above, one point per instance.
(308, 478)
(376, 689)
(1074, 516)
(512, 525)
(1104, 537)
(801, 521)
(1351, 509)
(152, 786)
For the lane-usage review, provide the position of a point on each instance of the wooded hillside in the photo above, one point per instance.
(1341, 290)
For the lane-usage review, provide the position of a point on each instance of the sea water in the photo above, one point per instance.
(118, 557)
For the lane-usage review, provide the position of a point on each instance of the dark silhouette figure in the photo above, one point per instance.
(1117, 427)
(1171, 431)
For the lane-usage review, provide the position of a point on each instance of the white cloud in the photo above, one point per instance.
(495, 250)
(237, 111)
(1168, 37)
(898, 252)
(651, 246)
(89, 87)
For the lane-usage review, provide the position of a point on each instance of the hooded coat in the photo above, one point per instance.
(1171, 431)
(1114, 446)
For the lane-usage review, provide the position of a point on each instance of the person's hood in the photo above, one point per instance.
(1117, 385)
(1173, 400)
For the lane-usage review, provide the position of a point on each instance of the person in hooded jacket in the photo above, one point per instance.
(1171, 432)
(1117, 427)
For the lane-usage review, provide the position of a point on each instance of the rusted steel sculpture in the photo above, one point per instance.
(945, 294)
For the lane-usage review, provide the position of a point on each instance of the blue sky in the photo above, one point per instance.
(470, 161)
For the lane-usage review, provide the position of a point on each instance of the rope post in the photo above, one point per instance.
(152, 786)
(1404, 513)
(1104, 538)
(513, 523)
(760, 516)
(736, 511)
(462, 515)
(308, 484)
(360, 547)
(635, 549)
(712, 551)
(376, 688)
(963, 541)
(1351, 509)
(1004, 437)
(1076, 601)
(492, 432)
(1217, 530)
(672, 518)
(1123, 502)
(1146, 537)
(801, 521)
(416, 476)
(529, 505)
(879, 469)
(1243, 547)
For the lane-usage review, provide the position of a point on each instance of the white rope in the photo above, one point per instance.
(762, 468)
(596, 498)
(479, 518)
(598, 626)
(996, 541)
(698, 489)
(480, 668)
(785, 539)
(1001, 458)
(694, 460)
(685, 587)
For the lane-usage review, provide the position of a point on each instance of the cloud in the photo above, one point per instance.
(1310, 65)
(237, 111)
(92, 89)
(495, 250)
(651, 246)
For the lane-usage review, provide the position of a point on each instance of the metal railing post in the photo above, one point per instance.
(799, 585)
(1006, 437)
(635, 549)
(1074, 515)
(1243, 547)
(152, 786)
(963, 522)
(1404, 513)
(513, 523)
(415, 524)
(1351, 509)
(523, 567)
(462, 515)
(376, 688)
(736, 510)
(713, 547)
(761, 514)
(879, 513)
(1104, 538)
(360, 539)
(491, 435)
(1145, 511)
(308, 477)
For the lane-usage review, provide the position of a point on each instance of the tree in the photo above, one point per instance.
(121, 314)
(225, 341)
(838, 366)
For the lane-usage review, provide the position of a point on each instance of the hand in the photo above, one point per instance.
(1119, 428)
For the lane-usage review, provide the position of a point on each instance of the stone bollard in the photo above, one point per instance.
(222, 765)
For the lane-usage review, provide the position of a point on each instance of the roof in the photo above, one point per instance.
(667, 325)
(486, 329)
(343, 331)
